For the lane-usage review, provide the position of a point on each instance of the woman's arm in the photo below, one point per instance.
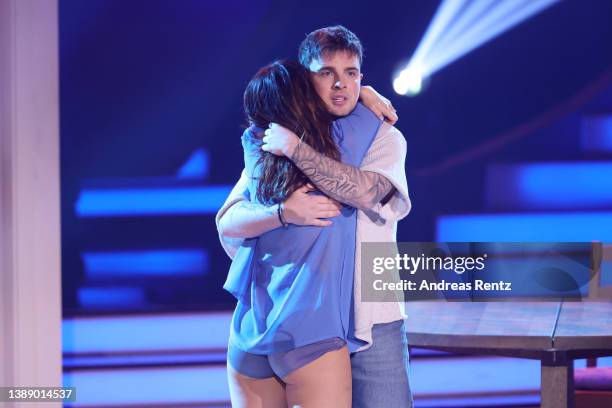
(378, 104)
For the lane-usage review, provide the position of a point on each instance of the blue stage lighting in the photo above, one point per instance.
(534, 227)
(197, 166)
(171, 386)
(145, 333)
(118, 264)
(457, 28)
(111, 297)
(498, 19)
(151, 201)
(580, 185)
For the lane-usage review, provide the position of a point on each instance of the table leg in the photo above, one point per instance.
(557, 384)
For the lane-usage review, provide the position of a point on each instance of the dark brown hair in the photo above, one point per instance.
(282, 93)
(329, 40)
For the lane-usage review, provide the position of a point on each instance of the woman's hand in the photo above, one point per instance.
(378, 104)
(279, 141)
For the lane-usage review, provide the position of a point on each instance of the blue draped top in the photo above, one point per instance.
(294, 284)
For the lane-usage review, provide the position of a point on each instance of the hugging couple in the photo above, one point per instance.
(323, 172)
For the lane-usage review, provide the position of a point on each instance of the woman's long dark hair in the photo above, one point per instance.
(282, 93)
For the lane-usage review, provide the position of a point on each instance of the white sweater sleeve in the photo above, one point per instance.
(387, 157)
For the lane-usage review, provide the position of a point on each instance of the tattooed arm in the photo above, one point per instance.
(343, 182)
(380, 186)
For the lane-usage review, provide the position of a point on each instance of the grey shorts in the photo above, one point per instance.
(282, 363)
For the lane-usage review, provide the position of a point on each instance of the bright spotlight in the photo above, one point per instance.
(408, 82)
(458, 27)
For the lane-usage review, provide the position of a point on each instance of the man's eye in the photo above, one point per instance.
(352, 73)
(325, 73)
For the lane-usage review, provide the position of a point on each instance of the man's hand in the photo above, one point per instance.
(279, 141)
(301, 208)
(378, 104)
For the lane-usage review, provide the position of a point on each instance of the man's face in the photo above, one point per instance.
(337, 79)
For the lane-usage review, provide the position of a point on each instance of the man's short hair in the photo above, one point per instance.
(329, 40)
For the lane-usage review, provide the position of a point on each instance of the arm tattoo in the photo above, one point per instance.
(340, 181)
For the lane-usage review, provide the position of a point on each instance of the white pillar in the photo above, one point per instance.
(30, 290)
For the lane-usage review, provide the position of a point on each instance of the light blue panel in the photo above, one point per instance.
(153, 359)
(499, 376)
(146, 333)
(535, 227)
(604, 361)
(197, 166)
(551, 186)
(116, 264)
(473, 374)
(601, 362)
(110, 297)
(596, 134)
(484, 401)
(151, 201)
(149, 386)
(469, 375)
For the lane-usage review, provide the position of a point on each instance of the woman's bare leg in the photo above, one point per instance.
(248, 392)
(323, 383)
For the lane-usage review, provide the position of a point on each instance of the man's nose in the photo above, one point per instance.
(339, 84)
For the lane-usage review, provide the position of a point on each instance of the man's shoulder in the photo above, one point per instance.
(388, 133)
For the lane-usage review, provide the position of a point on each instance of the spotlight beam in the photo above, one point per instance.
(444, 15)
(458, 27)
(502, 21)
(475, 14)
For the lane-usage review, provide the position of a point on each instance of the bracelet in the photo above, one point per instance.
(281, 218)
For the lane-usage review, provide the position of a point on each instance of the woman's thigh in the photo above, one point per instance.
(324, 382)
(249, 392)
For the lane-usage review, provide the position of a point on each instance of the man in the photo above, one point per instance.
(378, 189)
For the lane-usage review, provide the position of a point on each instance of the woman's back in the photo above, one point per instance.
(295, 283)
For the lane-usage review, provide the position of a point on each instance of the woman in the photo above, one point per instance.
(290, 333)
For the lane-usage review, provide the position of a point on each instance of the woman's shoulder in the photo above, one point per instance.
(252, 135)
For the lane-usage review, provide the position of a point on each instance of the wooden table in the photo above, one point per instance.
(555, 333)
